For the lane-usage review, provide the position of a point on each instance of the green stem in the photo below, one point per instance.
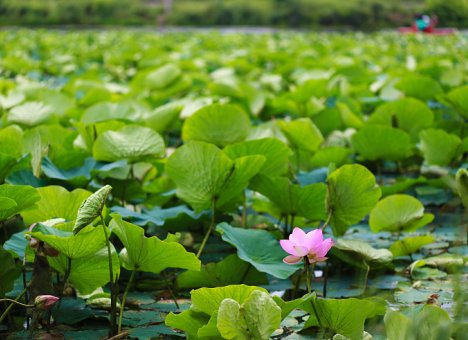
(292, 221)
(111, 279)
(366, 276)
(327, 220)
(307, 272)
(207, 235)
(244, 210)
(16, 302)
(124, 298)
(12, 304)
(65, 277)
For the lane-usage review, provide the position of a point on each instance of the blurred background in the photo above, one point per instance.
(307, 14)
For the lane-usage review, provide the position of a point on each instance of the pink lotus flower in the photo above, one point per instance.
(45, 301)
(301, 244)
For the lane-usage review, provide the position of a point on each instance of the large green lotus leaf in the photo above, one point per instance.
(352, 193)
(33, 145)
(109, 111)
(7, 163)
(72, 246)
(23, 197)
(335, 154)
(411, 115)
(55, 202)
(292, 199)
(199, 171)
(11, 141)
(244, 169)
(419, 322)
(131, 142)
(210, 330)
(419, 86)
(58, 102)
(438, 147)
(375, 142)
(11, 99)
(149, 254)
(89, 272)
(348, 117)
(360, 254)
(288, 306)
(208, 300)
(398, 213)
(229, 271)
(203, 173)
(9, 271)
(30, 114)
(163, 117)
(302, 134)
(459, 99)
(257, 318)
(189, 321)
(276, 154)
(268, 258)
(219, 124)
(343, 316)
(163, 77)
(410, 245)
(461, 179)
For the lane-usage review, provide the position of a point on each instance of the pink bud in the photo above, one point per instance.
(45, 301)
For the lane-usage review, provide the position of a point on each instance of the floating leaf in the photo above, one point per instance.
(219, 124)
(131, 142)
(163, 76)
(91, 208)
(352, 193)
(397, 213)
(149, 254)
(268, 258)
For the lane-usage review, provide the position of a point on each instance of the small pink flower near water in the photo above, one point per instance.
(301, 244)
(45, 301)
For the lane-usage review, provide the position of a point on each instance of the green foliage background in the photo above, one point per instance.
(357, 14)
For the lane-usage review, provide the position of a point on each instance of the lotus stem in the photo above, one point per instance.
(124, 298)
(111, 276)
(307, 273)
(13, 303)
(207, 235)
(366, 276)
(327, 221)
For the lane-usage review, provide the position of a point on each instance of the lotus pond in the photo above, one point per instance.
(236, 186)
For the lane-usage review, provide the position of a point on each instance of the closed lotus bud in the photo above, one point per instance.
(45, 302)
(91, 208)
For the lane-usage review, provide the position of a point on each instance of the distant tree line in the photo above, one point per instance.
(355, 14)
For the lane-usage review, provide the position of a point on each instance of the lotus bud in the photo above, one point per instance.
(91, 208)
(45, 302)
